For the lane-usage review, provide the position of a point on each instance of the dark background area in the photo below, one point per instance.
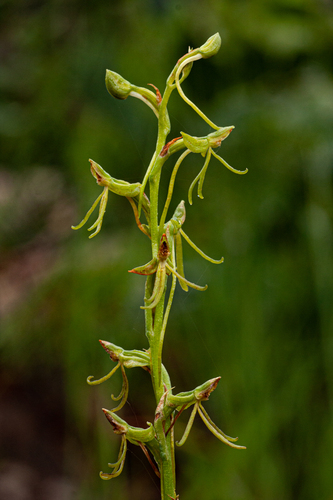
(265, 322)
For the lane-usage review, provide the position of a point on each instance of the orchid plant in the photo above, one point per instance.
(166, 236)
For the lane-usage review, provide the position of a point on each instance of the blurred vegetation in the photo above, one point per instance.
(264, 324)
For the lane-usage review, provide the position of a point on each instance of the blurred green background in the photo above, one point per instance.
(265, 322)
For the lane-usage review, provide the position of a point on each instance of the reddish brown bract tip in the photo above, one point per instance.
(165, 148)
(158, 93)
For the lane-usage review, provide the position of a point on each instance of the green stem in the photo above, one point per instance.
(156, 318)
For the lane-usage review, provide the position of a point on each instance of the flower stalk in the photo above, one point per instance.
(166, 261)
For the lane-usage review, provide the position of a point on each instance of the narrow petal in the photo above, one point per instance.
(103, 379)
(241, 172)
(189, 426)
(214, 430)
(217, 428)
(119, 465)
(171, 185)
(123, 393)
(179, 260)
(189, 283)
(102, 208)
(88, 214)
(183, 96)
(121, 454)
(197, 249)
(200, 177)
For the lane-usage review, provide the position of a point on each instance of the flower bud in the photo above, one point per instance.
(211, 47)
(200, 393)
(120, 426)
(195, 144)
(203, 392)
(116, 85)
(130, 359)
(215, 138)
(116, 186)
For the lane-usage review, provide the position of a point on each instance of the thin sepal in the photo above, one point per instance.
(200, 252)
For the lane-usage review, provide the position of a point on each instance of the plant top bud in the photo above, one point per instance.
(116, 85)
(211, 47)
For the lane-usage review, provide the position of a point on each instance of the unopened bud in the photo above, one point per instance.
(116, 85)
(116, 186)
(201, 144)
(130, 359)
(195, 144)
(215, 138)
(118, 424)
(203, 392)
(211, 47)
